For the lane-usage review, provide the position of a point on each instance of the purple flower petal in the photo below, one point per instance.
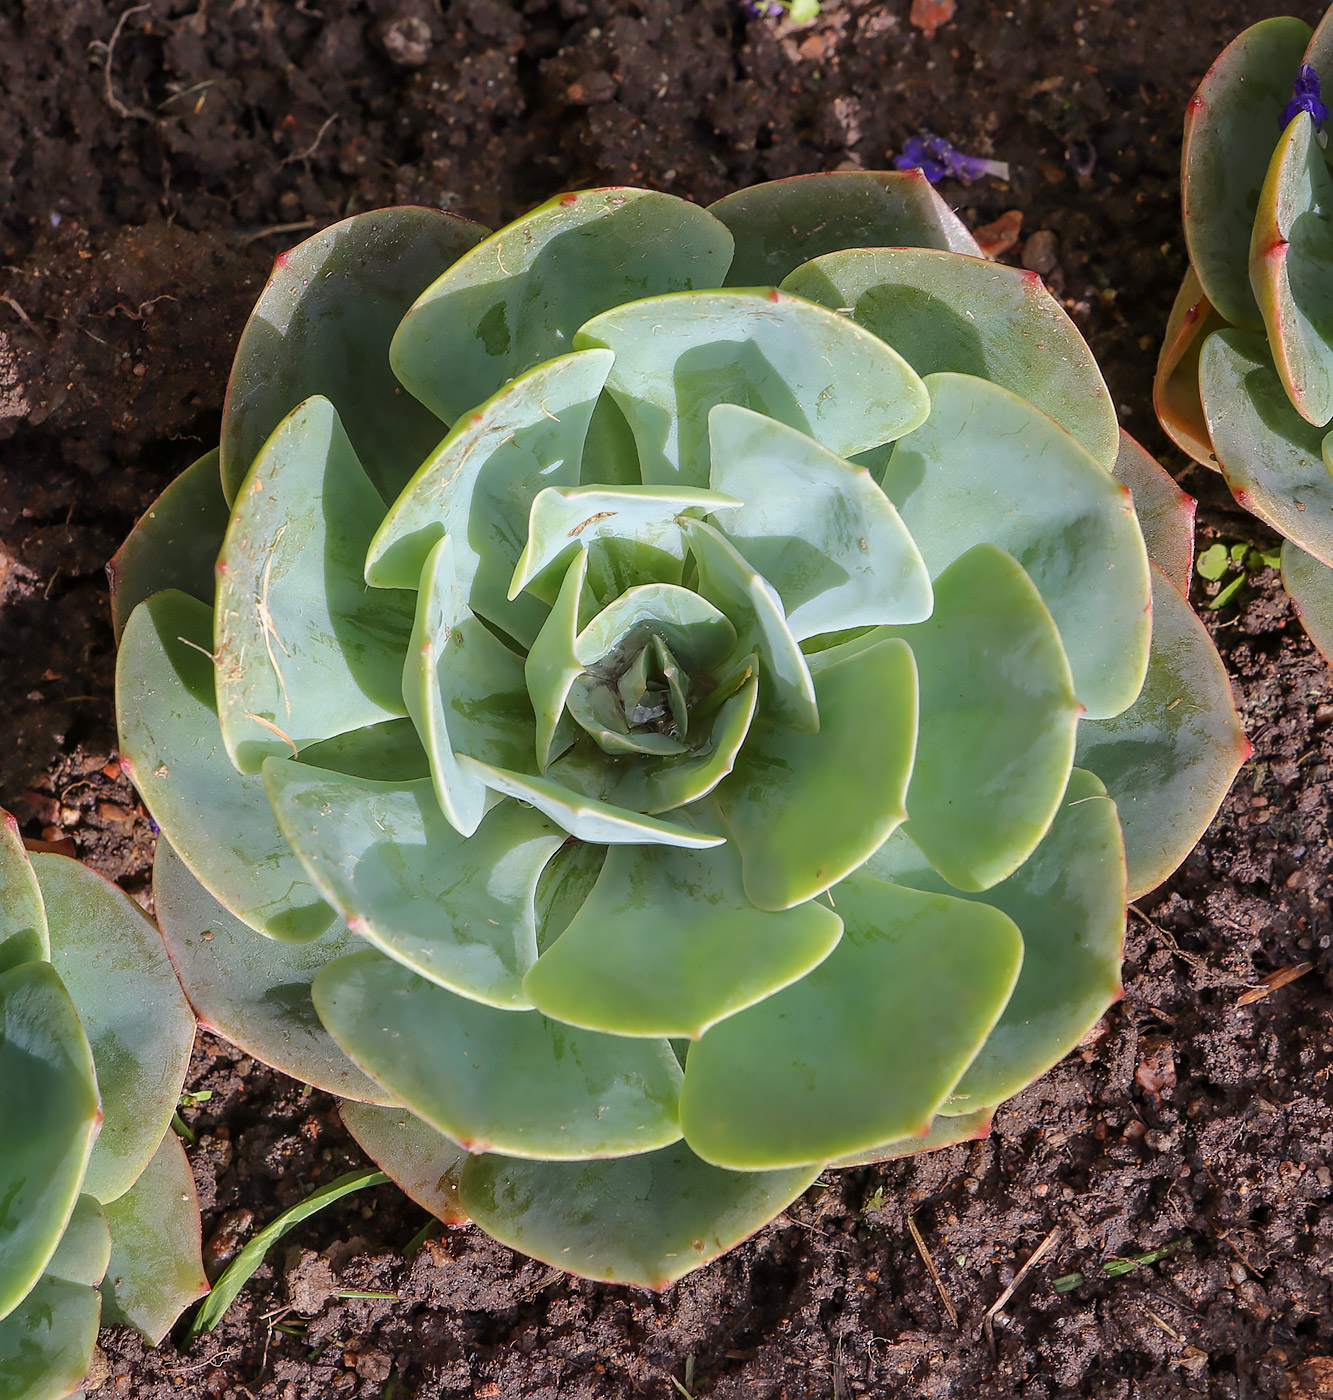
(1306, 98)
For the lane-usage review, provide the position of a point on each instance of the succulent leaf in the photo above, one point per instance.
(156, 1269)
(815, 526)
(943, 313)
(805, 810)
(998, 716)
(1176, 397)
(23, 927)
(1068, 902)
(1165, 512)
(521, 1084)
(140, 1028)
(917, 982)
(170, 743)
(644, 1220)
(174, 545)
(784, 223)
(1291, 268)
(667, 944)
(465, 691)
(1271, 457)
(517, 299)
(1169, 759)
(253, 990)
(47, 1342)
(456, 909)
(943, 1132)
(426, 1164)
(303, 651)
(1309, 581)
(989, 467)
(1230, 128)
(48, 1084)
(479, 484)
(323, 326)
(676, 358)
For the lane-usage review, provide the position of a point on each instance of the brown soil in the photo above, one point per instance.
(153, 159)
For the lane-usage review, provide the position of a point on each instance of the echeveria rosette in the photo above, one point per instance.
(98, 1219)
(1245, 377)
(691, 768)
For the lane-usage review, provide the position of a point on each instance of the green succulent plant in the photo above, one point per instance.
(1245, 376)
(98, 1216)
(648, 733)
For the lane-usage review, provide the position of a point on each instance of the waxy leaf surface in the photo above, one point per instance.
(644, 1220)
(1165, 512)
(23, 935)
(1309, 583)
(110, 957)
(167, 716)
(253, 990)
(422, 1162)
(1176, 384)
(509, 1081)
(865, 1048)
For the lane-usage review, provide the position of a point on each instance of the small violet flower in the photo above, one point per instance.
(1306, 98)
(936, 158)
(762, 9)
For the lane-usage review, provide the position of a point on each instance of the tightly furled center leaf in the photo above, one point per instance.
(619, 732)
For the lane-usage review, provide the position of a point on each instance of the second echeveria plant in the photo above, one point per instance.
(648, 734)
(1245, 377)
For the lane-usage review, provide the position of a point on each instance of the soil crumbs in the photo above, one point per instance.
(155, 157)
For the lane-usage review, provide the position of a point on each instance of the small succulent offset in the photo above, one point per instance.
(648, 734)
(1245, 377)
(98, 1216)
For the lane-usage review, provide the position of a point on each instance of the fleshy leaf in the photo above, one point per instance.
(1068, 900)
(23, 935)
(644, 1220)
(784, 223)
(85, 1247)
(253, 990)
(988, 467)
(47, 1085)
(727, 579)
(551, 666)
(1165, 512)
(675, 782)
(677, 357)
(694, 629)
(110, 957)
(323, 326)
(156, 1270)
(1272, 459)
(941, 312)
(943, 1132)
(805, 810)
(563, 519)
(667, 944)
(518, 298)
(815, 526)
(590, 818)
(1231, 127)
(1175, 391)
(458, 910)
(389, 752)
(174, 545)
(1170, 758)
(998, 716)
(170, 746)
(304, 650)
(421, 1162)
(1309, 581)
(511, 1081)
(888, 1022)
(479, 484)
(464, 690)
(1291, 268)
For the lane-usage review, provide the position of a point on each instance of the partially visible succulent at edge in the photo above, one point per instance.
(659, 698)
(98, 1216)
(1245, 377)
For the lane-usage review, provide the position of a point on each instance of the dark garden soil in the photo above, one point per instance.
(153, 160)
